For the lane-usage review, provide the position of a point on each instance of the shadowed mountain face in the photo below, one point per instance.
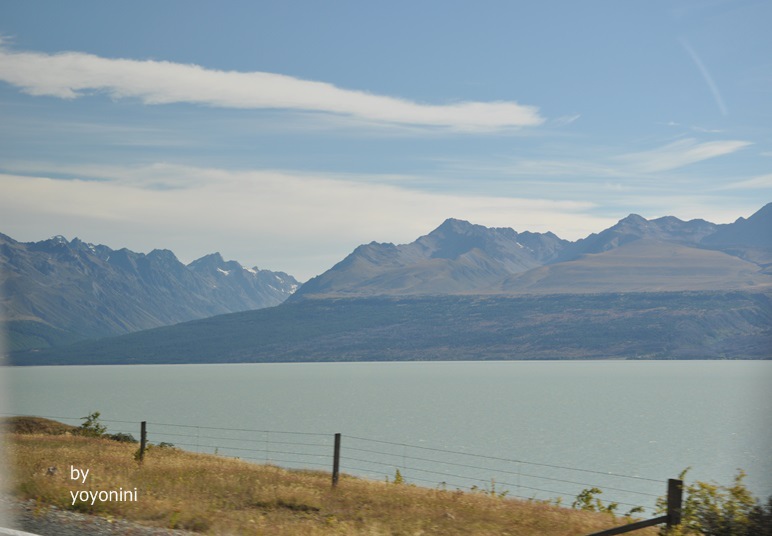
(634, 255)
(646, 325)
(642, 265)
(56, 291)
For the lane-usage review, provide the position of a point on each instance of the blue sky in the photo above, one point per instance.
(284, 134)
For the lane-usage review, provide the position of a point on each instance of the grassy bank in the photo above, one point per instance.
(215, 495)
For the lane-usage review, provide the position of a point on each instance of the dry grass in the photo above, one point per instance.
(216, 495)
(35, 425)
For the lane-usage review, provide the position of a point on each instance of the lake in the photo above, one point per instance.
(533, 429)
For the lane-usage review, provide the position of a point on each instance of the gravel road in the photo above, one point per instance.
(52, 521)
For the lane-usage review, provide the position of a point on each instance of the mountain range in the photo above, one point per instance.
(57, 291)
(665, 254)
(662, 288)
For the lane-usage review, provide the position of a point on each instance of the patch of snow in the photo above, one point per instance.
(293, 288)
(224, 272)
(251, 270)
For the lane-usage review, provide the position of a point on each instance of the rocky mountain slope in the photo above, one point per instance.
(634, 255)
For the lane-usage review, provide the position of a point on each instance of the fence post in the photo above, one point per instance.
(672, 518)
(336, 461)
(142, 440)
(674, 499)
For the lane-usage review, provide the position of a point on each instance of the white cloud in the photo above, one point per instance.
(71, 75)
(680, 153)
(300, 223)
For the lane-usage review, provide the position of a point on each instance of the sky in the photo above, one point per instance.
(285, 134)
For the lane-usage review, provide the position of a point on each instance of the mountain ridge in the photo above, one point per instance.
(460, 257)
(457, 256)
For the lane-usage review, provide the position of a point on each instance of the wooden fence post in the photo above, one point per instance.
(674, 498)
(672, 518)
(336, 461)
(142, 440)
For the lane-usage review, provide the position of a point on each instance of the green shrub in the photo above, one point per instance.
(587, 500)
(91, 427)
(716, 510)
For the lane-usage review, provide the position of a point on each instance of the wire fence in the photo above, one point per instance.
(384, 460)
(295, 450)
(523, 479)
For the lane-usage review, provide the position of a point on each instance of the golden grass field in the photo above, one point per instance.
(217, 495)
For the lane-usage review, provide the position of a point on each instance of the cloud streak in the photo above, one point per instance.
(679, 154)
(71, 75)
(706, 76)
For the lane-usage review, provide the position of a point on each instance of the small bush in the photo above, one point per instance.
(91, 426)
(587, 501)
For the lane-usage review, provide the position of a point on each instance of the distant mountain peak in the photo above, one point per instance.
(455, 223)
(212, 259)
(633, 219)
(162, 254)
(457, 226)
(55, 241)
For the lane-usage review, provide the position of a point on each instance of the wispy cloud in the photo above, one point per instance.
(70, 75)
(599, 164)
(566, 119)
(695, 128)
(680, 153)
(707, 130)
(754, 183)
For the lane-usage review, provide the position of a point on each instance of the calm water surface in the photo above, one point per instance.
(646, 419)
